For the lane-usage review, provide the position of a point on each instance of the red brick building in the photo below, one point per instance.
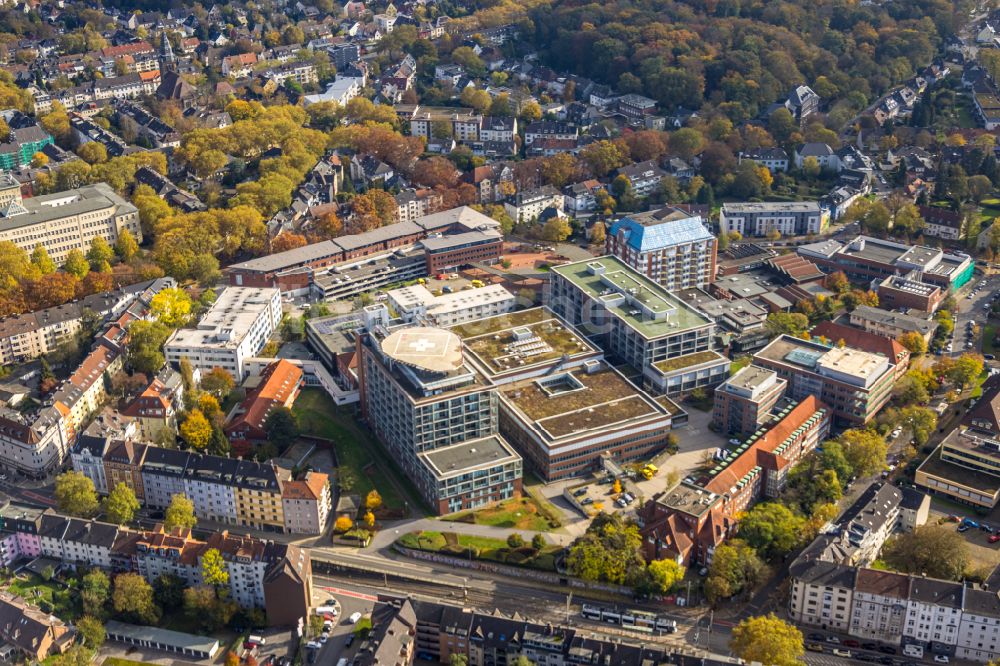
(689, 521)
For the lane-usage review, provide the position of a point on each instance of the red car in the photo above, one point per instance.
(850, 642)
(994, 538)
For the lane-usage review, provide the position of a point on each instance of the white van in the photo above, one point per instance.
(914, 651)
(354, 618)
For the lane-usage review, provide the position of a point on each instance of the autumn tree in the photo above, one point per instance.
(771, 528)
(435, 172)
(41, 260)
(665, 574)
(126, 247)
(171, 307)
(91, 630)
(557, 229)
(214, 570)
(931, 550)
(287, 241)
(914, 342)
(790, 323)
(196, 430)
(373, 501)
(50, 290)
(95, 590)
(608, 551)
(75, 495)
(180, 513)
(99, 254)
(736, 568)
(145, 348)
(965, 370)
(329, 225)
(865, 450)
(93, 152)
(342, 524)
(218, 381)
(120, 505)
(597, 233)
(133, 599)
(558, 170)
(603, 157)
(767, 640)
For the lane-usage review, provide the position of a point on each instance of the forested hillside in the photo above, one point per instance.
(742, 55)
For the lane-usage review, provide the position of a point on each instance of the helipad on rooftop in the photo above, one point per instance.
(425, 348)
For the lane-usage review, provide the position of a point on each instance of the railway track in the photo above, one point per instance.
(509, 600)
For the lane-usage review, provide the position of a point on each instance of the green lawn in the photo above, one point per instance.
(118, 661)
(990, 208)
(484, 548)
(50, 596)
(989, 333)
(356, 450)
(524, 513)
(739, 364)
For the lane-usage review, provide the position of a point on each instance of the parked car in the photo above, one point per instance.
(838, 652)
(941, 659)
(850, 642)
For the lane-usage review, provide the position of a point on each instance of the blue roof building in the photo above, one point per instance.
(670, 246)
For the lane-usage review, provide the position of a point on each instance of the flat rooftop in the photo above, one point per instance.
(909, 286)
(521, 340)
(425, 348)
(751, 378)
(577, 401)
(688, 498)
(853, 362)
(646, 307)
(988, 484)
(417, 295)
(229, 320)
(468, 456)
(335, 332)
(758, 207)
(747, 285)
(688, 361)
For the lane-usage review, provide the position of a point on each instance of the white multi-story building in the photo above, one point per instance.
(528, 205)
(790, 218)
(417, 303)
(879, 606)
(822, 596)
(68, 220)
(235, 328)
(670, 246)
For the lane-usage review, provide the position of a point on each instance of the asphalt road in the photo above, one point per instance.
(971, 308)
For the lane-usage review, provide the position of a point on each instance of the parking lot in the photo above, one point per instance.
(341, 642)
(872, 652)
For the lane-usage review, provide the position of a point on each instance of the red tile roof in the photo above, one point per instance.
(869, 342)
(278, 386)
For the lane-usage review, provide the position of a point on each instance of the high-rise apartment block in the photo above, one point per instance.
(670, 246)
(437, 416)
